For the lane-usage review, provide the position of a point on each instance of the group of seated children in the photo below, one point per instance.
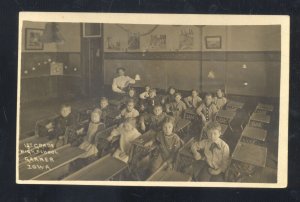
(162, 114)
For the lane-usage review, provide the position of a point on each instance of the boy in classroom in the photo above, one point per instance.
(177, 107)
(220, 100)
(65, 120)
(213, 162)
(207, 110)
(130, 96)
(193, 101)
(128, 133)
(144, 95)
(151, 101)
(168, 145)
(95, 125)
(170, 97)
(129, 111)
(155, 120)
(105, 109)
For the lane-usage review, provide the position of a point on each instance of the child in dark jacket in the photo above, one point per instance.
(168, 143)
(61, 123)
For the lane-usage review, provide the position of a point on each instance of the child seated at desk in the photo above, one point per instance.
(220, 100)
(129, 111)
(194, 100)
(170, 97)
(94, 126)
(168, 145)
(130, 96)
(144, 95)
(212, 164)
(177, 107)
(155, 120)
(128, 133)
(66, 119)
(152, 100)
(207, 110)
(105, 109)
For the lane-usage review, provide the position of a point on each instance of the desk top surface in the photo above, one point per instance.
(265, 107)
(262, 117)
(250, 153)
(170, 175)
(144, 138)
(255, 133)
(235, 104)
(181, 124)
(65, 154)
(100, 170)
(226, 113)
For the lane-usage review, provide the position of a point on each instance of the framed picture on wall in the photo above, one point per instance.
(33, 39)
(213, 42)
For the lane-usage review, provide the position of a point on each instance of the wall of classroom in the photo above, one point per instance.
(247, 63)
(36, 82)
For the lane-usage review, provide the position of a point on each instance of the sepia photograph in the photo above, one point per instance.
(152, 100)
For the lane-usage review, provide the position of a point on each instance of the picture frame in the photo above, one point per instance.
(33, 39)
(213, 42)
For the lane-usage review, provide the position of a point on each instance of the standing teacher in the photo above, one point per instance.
(120, 83)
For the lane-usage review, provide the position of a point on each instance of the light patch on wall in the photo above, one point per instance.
(211, 75)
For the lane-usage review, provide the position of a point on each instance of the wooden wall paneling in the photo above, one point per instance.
(246, 81)
(183, 75)
(217, 69)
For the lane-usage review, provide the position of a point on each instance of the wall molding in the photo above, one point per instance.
(197, 55)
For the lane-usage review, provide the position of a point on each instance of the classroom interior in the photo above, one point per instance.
(78, 62)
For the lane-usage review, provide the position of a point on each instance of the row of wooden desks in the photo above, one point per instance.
(250, 152)
(164, 175)
(234, 105)
(44, 166)
(106, 168)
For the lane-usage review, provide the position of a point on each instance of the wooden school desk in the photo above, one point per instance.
(140, 148)
(234, 105)
(103, 145)
(162, 174)
(254, 135)
(264, 108)
(185, 157)
(190, 114)
(250, 153)
(259, 120)
(182, 127)
(66, 154)
(225, 117)
(106, 168)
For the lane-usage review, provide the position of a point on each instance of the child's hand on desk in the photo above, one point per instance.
(80, 131)
(197, 156)
(109, 138)
(143, 127)
(148, 144)
(122, 154)
(118, 117)
(214, 171)
(49, 127)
